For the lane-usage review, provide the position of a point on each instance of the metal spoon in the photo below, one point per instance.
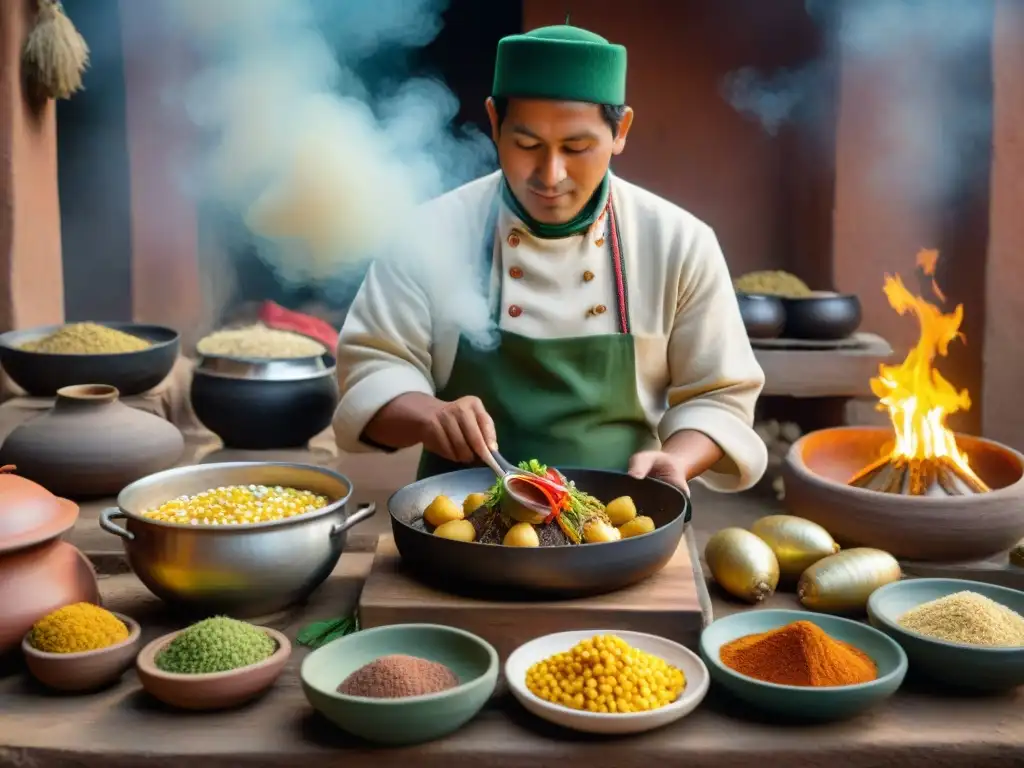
(515, 503)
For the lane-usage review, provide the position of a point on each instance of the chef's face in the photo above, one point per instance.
(555, 154)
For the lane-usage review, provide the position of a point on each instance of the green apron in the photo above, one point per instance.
(567, 402)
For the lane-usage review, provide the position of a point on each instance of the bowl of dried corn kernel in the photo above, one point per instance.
(244, 539)
(605, 681)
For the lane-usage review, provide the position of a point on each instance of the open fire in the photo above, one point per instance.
(924, 459)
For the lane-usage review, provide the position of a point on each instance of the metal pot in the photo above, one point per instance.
(264, 404)
(243, 571)
(498, 571)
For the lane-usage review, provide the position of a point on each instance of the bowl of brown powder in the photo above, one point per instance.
(401, 684)
(965, 634)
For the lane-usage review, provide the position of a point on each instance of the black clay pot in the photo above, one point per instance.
(261, 405)
(821, 316)
(763, 316)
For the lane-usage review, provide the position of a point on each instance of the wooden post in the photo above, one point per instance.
(31, 278)
(166, 278)
(1003, 418)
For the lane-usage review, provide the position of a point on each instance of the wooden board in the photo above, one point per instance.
(673, 604)
(855, 341)
(824, 372)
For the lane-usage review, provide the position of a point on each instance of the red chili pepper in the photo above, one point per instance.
(555, 494)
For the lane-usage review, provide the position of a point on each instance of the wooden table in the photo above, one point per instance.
(123, 727)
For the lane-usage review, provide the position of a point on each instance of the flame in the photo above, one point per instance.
(919, 399)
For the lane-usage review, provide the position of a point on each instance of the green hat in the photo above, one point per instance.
(561, 62)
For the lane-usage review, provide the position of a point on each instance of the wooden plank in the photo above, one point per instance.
(667, 604)
(823, 373)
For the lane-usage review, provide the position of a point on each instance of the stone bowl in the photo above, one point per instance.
(85, 671)
(940, 529)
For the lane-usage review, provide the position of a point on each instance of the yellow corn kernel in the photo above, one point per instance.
(237, 505)
(605, 674)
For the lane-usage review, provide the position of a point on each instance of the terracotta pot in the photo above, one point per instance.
(946, 528)
(91, 444)
(38, 580)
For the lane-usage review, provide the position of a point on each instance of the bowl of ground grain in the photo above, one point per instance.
(965, 634)
(217, 663)
(287, 378)
(133, 357)
(80, 647)
(801, 665)
(401, 684)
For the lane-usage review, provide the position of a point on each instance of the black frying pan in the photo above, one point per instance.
(503, 572)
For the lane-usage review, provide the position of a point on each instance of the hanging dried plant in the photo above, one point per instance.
(55, 54)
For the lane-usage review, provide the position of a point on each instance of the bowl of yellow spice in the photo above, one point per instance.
(608, 682)
(134, 357)
(80, 647)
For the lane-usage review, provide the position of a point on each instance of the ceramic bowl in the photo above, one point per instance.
(541, 648)
(798, 702)
(821, 316)
(41, 374)
(961, 666)
(764, 317)
(85, 671)
(410, 720)
(218, 690)
(932, 528)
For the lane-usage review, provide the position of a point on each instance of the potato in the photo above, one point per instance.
(637, 526)
(597, 531)
(521, 535)
(473, 502)
(456, 530)
(442, 510)
(621, 510)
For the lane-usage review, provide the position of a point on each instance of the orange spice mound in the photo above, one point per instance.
(800, 653)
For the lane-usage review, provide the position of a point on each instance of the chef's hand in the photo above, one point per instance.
(660, 465)
(460, 431)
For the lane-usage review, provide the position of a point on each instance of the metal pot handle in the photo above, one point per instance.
(113, 513)
(363, 512)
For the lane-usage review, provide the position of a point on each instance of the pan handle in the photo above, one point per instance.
(363, 512)
(113, 513)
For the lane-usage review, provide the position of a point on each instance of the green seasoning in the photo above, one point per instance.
(561, 62)
(219, 644)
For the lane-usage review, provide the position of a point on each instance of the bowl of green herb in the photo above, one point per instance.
(216, 663)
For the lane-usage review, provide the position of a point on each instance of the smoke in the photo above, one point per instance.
(928, 111)
(318, 157)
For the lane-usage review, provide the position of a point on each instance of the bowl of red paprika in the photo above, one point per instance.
(802, 665)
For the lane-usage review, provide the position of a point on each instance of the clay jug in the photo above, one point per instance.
(38, 572)
(38, 580)
(91, 444)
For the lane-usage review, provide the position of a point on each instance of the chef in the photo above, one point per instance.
(621, 343)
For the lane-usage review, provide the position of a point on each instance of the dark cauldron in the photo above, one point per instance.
(264, 404)
(763, 316)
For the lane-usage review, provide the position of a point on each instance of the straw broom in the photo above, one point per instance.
(55, 54)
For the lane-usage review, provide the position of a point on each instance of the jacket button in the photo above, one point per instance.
(600, 309)
(515, 310)
(599, 242)
(515, 273)
(588, 276)
(513, 239)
